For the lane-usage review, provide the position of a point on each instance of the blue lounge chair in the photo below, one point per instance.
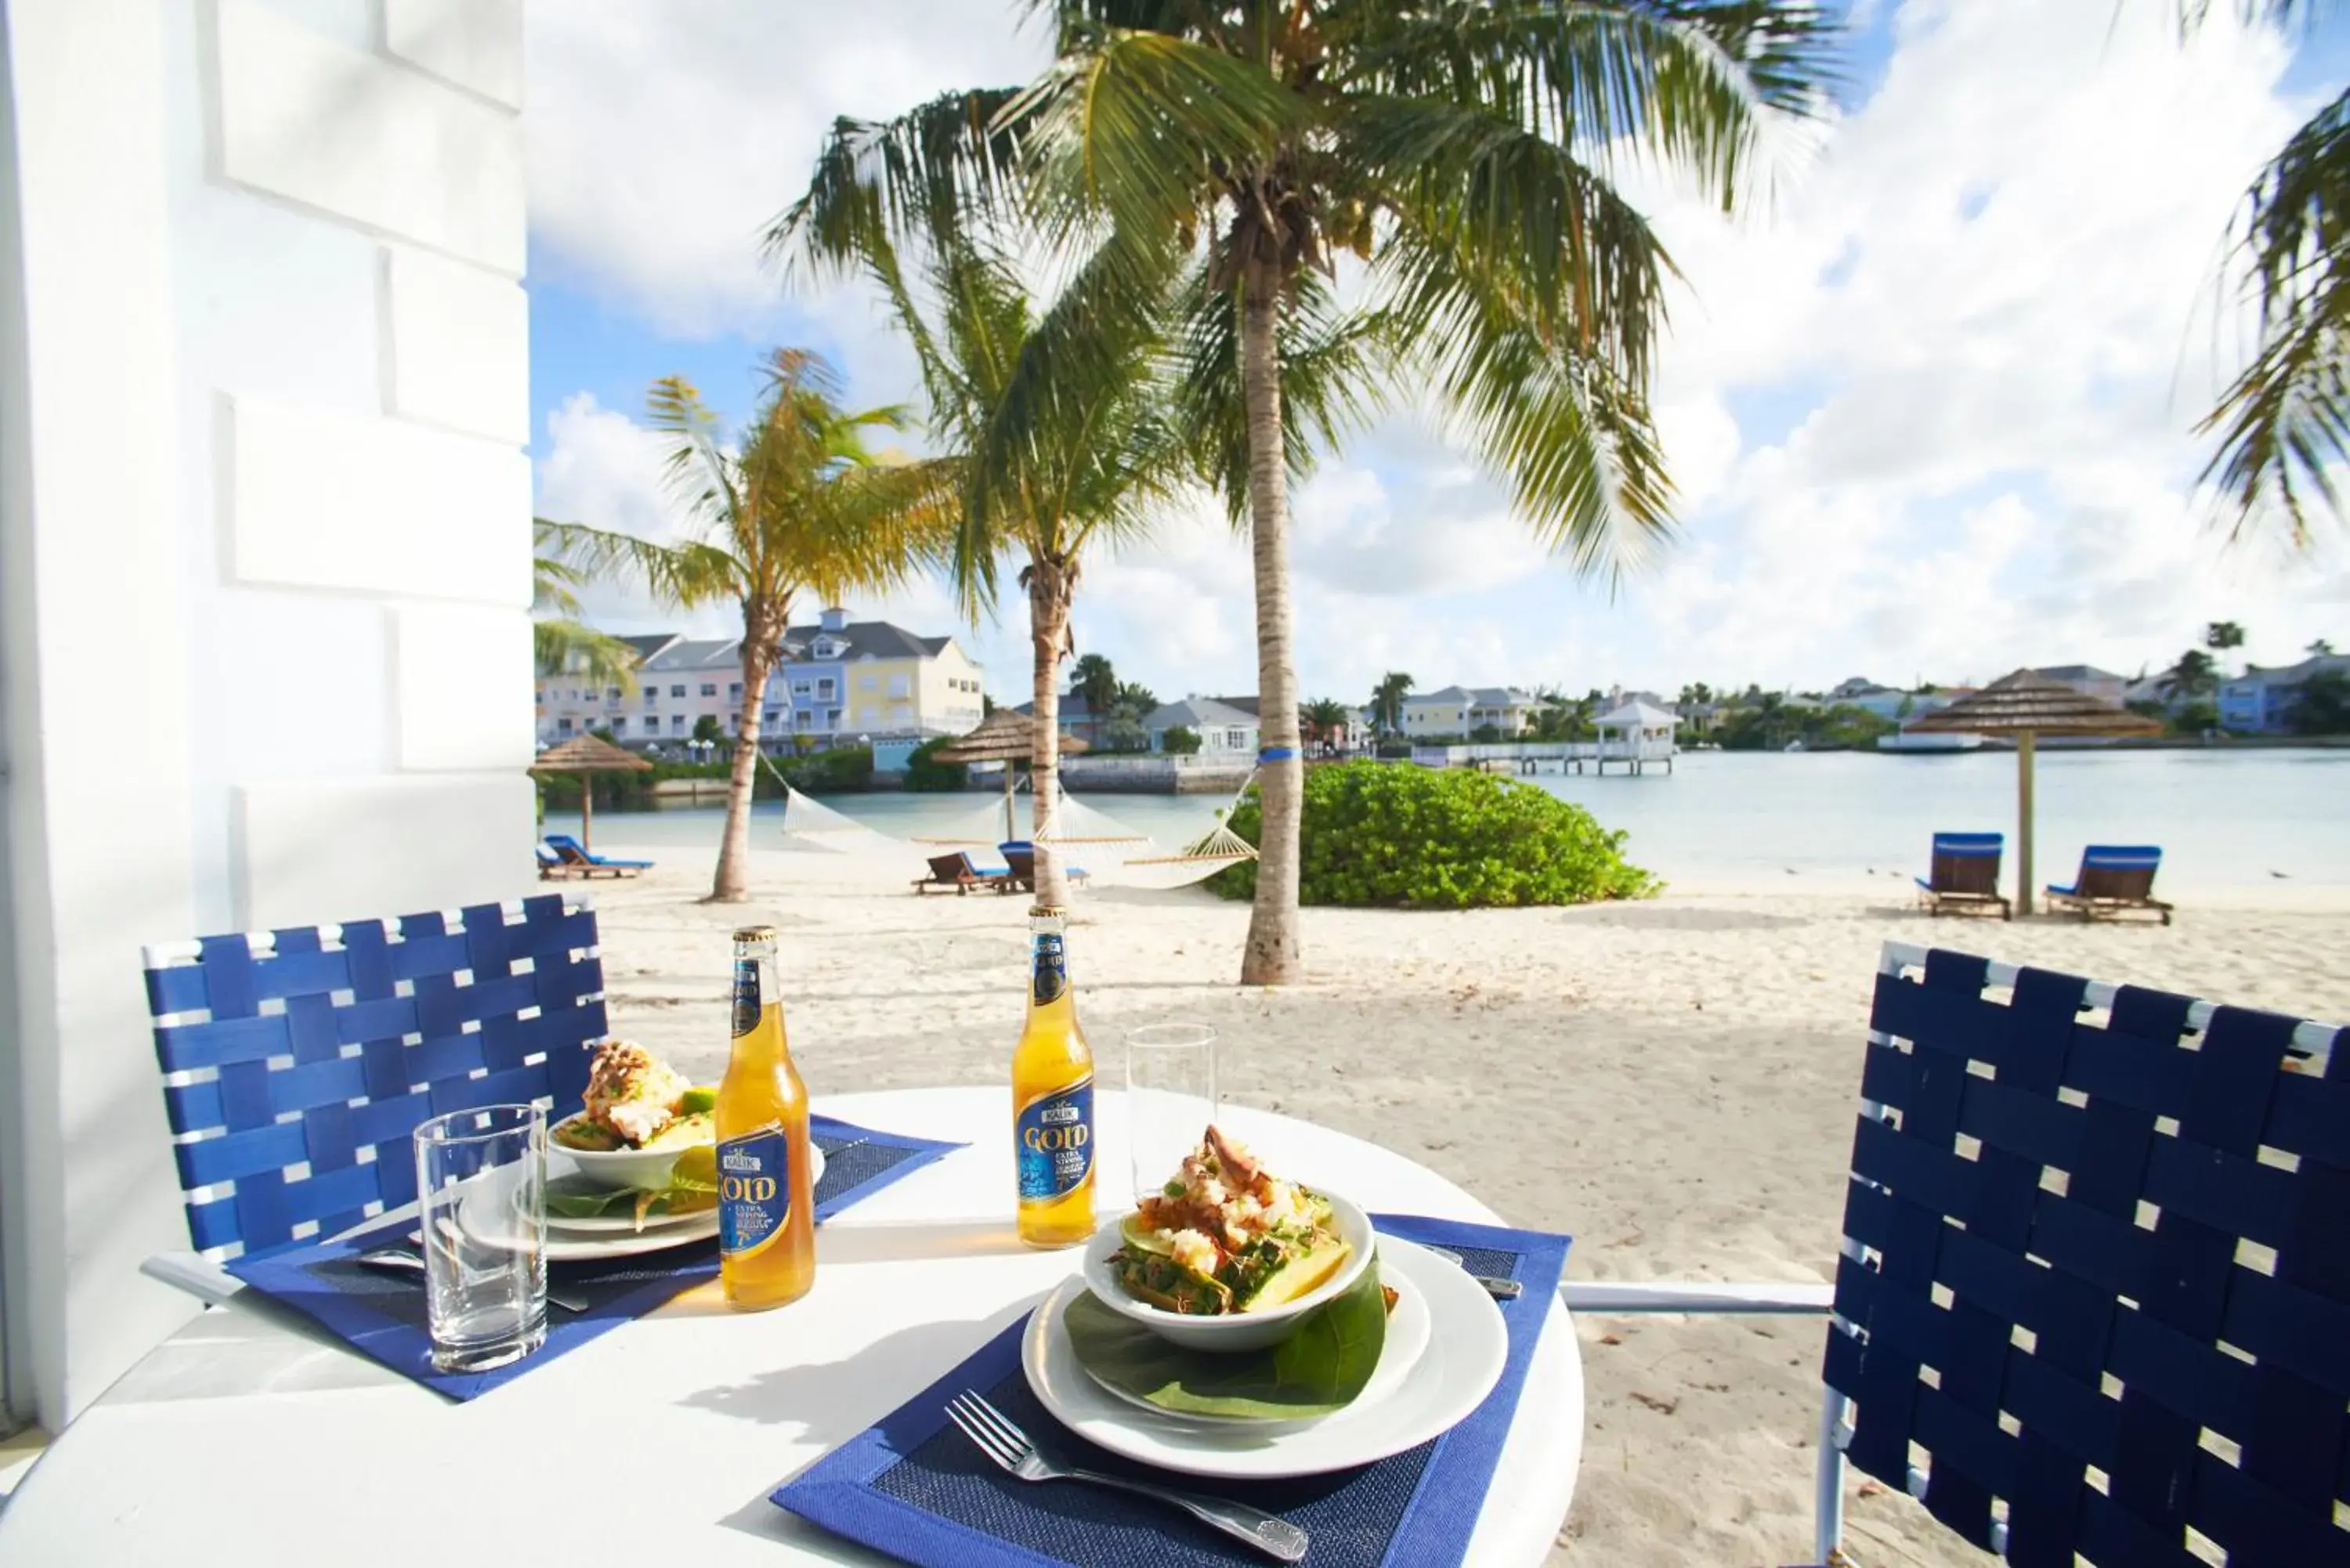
(963, 874)
(1965, 875)
(576, 856)
(1020, 856)
(2114, 879)
(2131, 1365)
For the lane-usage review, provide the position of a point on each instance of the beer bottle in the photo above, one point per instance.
(766, 1212)
(1052, 1098)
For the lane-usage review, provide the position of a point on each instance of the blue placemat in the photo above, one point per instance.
(383, 1315)
(914, 1487)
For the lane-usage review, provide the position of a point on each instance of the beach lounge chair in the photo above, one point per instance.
(2136, 1364)
(1965, 875)
(2114, 879)
(963, 874)
(1021, 856)
(553, 868)
(575, 855)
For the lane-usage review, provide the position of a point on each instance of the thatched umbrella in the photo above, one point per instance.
(2024, 707)
(585, 754)
(1005, 736)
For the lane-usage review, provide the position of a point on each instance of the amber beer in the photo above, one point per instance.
(1053, 1097)
(766, 1212)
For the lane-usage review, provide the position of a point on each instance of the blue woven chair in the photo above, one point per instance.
(297, 1063)
(2093, 1295)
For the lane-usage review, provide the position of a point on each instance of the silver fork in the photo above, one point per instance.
(1010, 1447)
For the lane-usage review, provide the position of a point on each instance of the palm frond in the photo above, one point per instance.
(2285, 420)
(1522, 212)
(1569, 433)
(687, 575)
(565, 645)
(1682, 82)
(929, 172)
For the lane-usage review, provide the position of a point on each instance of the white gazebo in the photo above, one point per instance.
(1637, 734)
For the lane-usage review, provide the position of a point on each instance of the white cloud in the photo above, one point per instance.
(1967, 346)
(664, 136)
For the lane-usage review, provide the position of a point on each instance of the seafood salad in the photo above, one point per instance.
(1225, 1235)
(635, 1100)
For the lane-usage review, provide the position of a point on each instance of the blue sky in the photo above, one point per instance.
(1930, 415)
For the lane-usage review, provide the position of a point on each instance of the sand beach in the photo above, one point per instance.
(1671, 1080)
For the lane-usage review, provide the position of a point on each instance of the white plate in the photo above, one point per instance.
(694, 1228)
(1467, 1344)
(1407, 1341)
(626, 1224)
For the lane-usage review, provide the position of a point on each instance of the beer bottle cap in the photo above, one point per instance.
(755, 934)
(1048, 911)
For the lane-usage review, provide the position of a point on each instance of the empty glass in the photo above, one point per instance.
(481, 1183)
(1170, 1097)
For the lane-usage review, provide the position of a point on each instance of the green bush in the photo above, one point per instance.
(1441, 838)
(1180, 742)
(831, 772)
(925, 772)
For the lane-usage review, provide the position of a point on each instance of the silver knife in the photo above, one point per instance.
(1499, 1289)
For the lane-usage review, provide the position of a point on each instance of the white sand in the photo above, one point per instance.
(1671, 1082)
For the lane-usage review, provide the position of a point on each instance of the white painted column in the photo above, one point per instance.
(265, 555)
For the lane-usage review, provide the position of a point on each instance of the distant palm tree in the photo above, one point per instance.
(2320, 649)
(561, 641)
(1053, 415)
(1386, 701)
(2284, 421)
(2195, 675)
(800, 504)
(1137, 699)
(1092, 678)
(1468, 153)
(2223, 634)
(1325, 717)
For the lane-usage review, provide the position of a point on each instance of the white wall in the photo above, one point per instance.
(262, 480)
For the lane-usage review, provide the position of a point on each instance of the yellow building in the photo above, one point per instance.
(872, 677)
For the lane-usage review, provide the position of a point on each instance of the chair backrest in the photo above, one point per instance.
(2094, 1267)
(296, 1063)
(572, 851)
(949, 867)
(2118, 870)
(1020, 855)
(1967, 862)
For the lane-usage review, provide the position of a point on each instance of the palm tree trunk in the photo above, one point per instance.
(731, 884)
(1274, 951)
(1049, 592)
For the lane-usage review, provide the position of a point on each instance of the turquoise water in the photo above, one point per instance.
(2223, 818)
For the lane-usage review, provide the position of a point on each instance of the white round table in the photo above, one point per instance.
(246, 1438)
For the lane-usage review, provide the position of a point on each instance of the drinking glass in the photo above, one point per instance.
(481, 1183)
(1170, 1097)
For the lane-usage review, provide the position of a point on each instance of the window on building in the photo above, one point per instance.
(803, 720)
(826, 691)
(620, 725)
(800, 688)
(710, 688)
(563, 726)
(769, 719)
(1234, 740)
(611, 694)
(652, 695)
(899, 686)
(677, 690)
(902, 715)
(735, 690)
(734, 723)
(677, 724)
(832, 718)
(868, 683)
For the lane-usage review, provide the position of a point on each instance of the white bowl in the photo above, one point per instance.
(645, 1169)
(1236, 1331)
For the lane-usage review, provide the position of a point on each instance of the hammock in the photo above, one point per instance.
(1144, 866)
(811, 825)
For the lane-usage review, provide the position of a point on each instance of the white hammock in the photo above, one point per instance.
(1139, 863)
(811, 825)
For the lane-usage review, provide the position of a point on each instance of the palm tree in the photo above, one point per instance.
(1095, 678)
(2320, 649)
(1465, 151)
(1135, 698)
(1053, 423)
(2223, 634)
(560, 640)
(2285, 419)
(2193, 676)
(800, 504)
(1325, 719)
(1386, 701)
